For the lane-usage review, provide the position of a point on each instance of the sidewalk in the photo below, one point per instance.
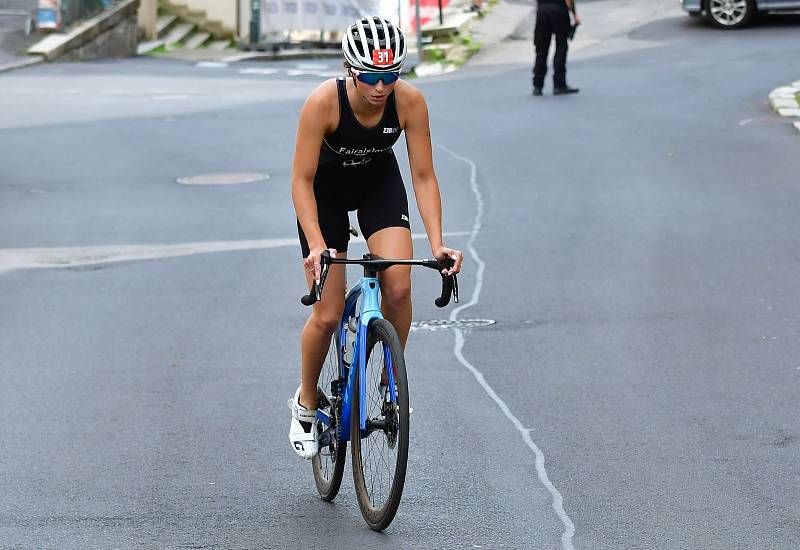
(14, 43)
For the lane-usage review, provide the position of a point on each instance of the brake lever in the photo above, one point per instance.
(325, 260)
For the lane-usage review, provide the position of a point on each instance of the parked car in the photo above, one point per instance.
(735, 14)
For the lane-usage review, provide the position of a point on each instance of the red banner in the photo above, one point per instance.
(428, 11)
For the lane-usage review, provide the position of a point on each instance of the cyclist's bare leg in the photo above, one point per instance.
(395, 243)
(316, 337)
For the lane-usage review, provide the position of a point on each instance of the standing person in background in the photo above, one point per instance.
(475, 6)
(553, 18)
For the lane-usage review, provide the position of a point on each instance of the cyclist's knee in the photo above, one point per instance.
(325, 322)
(397, 293)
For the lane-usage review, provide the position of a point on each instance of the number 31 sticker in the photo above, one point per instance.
(383, 57)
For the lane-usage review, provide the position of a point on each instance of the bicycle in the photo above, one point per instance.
(363, 396)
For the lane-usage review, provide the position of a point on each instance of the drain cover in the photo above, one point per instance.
(233, 178)
(444, 324)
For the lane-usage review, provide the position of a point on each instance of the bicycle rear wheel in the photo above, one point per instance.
(328, 465)
(380, 453)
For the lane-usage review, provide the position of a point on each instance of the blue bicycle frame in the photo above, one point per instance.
(368, 289)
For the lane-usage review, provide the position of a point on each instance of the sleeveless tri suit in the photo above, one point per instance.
(358, 171)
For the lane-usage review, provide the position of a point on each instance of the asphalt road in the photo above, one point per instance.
(635, 243)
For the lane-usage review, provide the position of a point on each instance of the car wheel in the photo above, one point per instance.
(730, 14)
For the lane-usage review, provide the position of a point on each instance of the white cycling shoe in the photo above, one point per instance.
(305, 444)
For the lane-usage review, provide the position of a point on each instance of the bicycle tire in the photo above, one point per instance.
(328, 464)
(379, 512)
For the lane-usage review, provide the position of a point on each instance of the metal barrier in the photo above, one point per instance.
(24, 9)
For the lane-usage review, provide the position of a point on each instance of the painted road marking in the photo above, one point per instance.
(212, 64)
(80, 256)
(558, 501)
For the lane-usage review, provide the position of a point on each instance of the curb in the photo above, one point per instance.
(23, 62)
(283, 55)
(234, 56)
(785, 100)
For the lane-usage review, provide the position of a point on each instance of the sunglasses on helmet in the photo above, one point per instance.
(372, 79)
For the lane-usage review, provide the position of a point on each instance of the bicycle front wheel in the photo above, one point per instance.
(328, 465)
(380, 452)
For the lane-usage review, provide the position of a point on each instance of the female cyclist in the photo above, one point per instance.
(343, 162)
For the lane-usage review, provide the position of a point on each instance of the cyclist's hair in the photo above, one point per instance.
(372, 33)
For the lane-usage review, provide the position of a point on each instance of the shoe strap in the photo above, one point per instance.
(304, 415)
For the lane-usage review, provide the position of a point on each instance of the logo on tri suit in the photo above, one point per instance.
(356, 162)
(391, 130)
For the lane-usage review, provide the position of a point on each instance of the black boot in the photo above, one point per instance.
(565, 90)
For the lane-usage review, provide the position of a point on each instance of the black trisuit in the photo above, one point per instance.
(552, 18)
(358, 171)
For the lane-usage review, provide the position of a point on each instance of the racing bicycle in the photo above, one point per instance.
(362, 396)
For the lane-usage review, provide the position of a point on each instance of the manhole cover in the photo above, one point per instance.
(444, 324)
(232, 178)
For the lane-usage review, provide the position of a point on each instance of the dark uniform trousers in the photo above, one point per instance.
(552, 18)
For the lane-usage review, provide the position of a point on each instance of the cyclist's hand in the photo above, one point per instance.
(443, 253)
(313, 263)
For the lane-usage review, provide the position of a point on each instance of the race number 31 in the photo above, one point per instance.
(382, 57)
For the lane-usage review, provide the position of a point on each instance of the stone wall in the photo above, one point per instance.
(112, 33)
(118, 41)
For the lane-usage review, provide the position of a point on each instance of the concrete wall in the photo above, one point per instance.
(112, 33)
(118, 41)
(223, 11)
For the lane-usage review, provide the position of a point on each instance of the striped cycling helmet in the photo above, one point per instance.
(374, 44)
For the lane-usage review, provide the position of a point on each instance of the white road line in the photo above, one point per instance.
(255, 70)
(313, 66)
(169, 97)
(558, 501)
(77, 256)
(290, 72)
(212, 64)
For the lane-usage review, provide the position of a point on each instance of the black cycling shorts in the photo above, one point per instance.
(374, 189)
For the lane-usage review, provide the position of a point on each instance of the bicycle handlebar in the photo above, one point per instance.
(310, 299)
(371, 262)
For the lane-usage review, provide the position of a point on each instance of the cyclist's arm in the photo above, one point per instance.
(420, 156)
(423, 176)
(314, 122)
(571, 7)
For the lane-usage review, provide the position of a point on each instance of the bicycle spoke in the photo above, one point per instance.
(381, 452)
(380, 460)
(328, 465)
